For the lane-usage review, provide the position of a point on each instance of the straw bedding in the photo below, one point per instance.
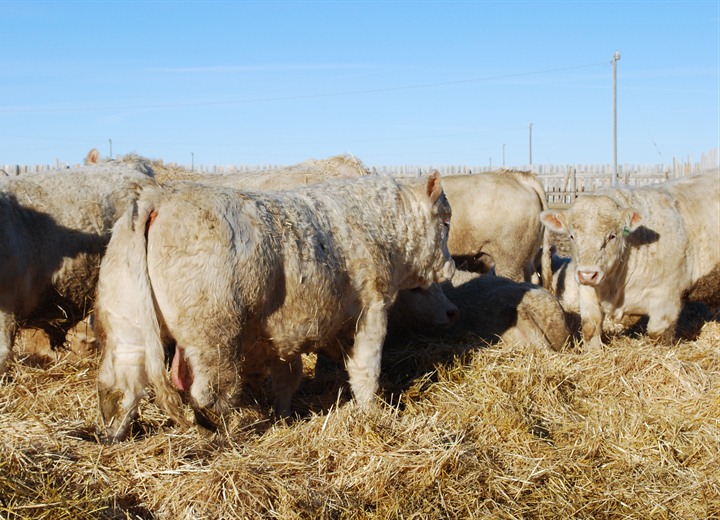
(466, 430)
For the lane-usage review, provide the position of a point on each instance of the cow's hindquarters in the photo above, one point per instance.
(133, 354)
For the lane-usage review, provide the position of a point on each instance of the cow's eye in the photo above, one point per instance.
(611, 237)
(572, 237)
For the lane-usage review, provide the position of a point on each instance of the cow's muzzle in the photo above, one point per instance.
(589, 277)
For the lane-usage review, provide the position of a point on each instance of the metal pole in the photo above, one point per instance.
(110, 140)
(192, 164)
(616, 57)
(503, 156)
(530, 144)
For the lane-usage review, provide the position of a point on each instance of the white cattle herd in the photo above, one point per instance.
(200, 284)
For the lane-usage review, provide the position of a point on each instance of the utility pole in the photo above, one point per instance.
(530, 144)
(192, 163)
(503, 156)
(110, 140)
(616, 57)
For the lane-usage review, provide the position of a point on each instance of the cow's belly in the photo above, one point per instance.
(309, 323)
(631, 300)
(643, 300)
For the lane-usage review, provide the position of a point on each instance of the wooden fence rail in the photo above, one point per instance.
(562, 183)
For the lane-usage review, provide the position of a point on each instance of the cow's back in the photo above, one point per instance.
(307, 172)
(60, 224)
(270, 254)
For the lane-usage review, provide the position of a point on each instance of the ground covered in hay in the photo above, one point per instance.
(466, 431)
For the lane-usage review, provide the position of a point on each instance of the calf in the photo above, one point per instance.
(492, 308)
(245, 282)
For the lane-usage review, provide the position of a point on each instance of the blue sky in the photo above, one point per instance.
(425, 83)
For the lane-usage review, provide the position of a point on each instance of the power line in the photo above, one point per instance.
(642, 117)
(295, 98)
(276, 143)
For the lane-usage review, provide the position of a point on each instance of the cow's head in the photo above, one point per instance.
(423, 220)
(599, 229)
(424, 309)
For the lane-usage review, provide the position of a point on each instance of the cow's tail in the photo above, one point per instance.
(166, 396)
(546, 254)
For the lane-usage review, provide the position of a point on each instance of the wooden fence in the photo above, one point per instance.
(562, 183)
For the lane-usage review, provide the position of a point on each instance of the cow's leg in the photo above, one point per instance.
(363, 364)
(662, 319)
(7, 336)
(530, 274)
(286, 378)
(516, 273)
(121, 384)
(215, 388)
(592, 317)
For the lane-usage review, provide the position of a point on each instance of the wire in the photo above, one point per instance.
(635, 105)
(294, 98)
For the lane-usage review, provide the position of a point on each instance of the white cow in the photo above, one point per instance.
(54, 227)
(644, 251)
(311, 171)
(245, 282)
(496, 223)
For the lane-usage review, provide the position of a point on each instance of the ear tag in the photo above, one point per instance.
(626, 231)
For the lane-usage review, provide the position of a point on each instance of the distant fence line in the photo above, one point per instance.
(562, 183)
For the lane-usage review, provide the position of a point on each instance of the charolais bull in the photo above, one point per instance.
(245, 282)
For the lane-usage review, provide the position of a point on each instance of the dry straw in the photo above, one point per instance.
(467, 431)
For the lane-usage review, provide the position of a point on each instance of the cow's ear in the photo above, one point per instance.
(554, 220)
(92, 157)
(633, 219)
(434, 188)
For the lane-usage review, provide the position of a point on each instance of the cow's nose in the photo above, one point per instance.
(588, 277)
(452, 315)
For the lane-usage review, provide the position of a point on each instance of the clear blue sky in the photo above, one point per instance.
(390, 82)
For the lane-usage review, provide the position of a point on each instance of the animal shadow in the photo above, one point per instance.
(693, 316)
